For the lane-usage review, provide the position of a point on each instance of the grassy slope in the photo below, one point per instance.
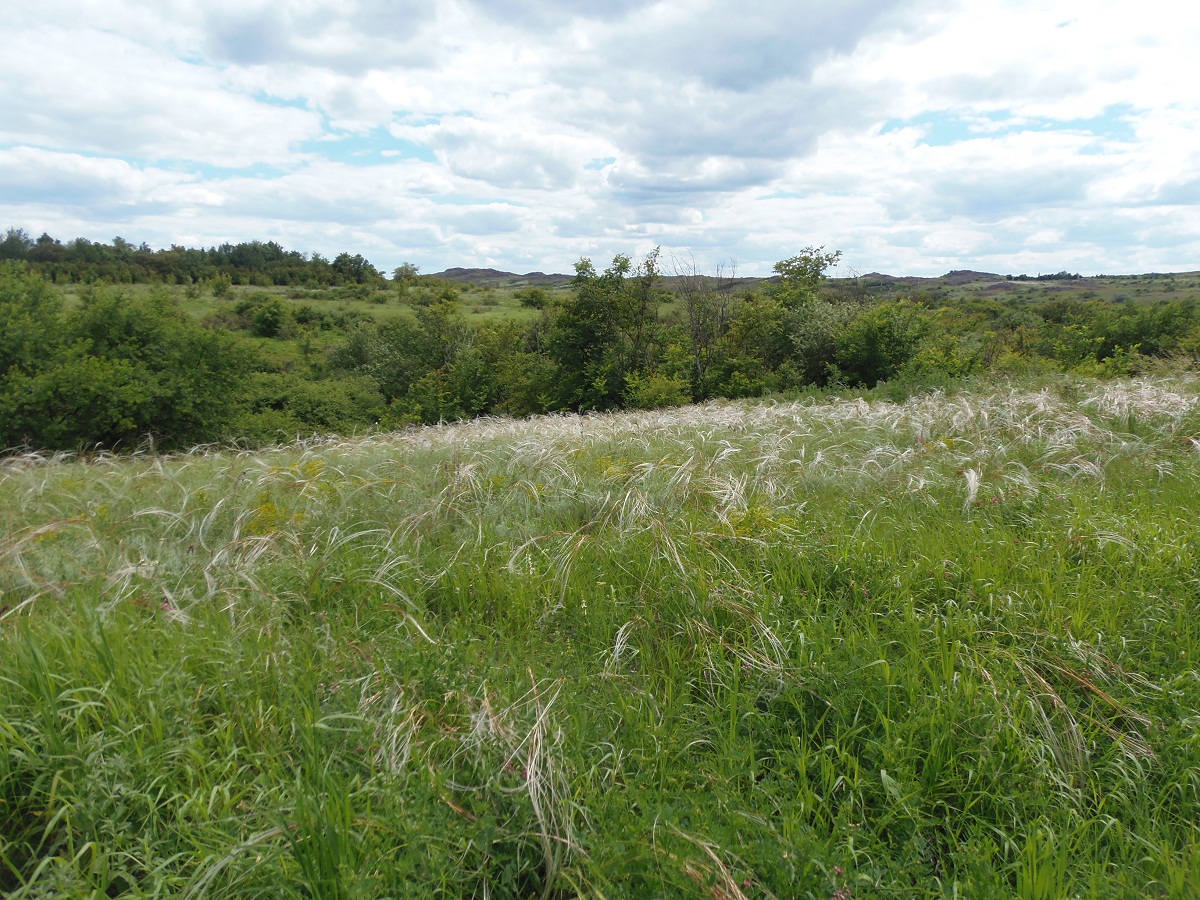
(842, 649)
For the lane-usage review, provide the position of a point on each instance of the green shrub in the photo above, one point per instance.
(277, 406)
(879, 342)
(121, 367)
(813, 328)
(533, 297)
(656, 390)
(220, 286)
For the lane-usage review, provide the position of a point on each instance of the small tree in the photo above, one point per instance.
(16, 244)
(355, 269)
(405, 272)
(801, 275)
(812, 321)
(605, 331)
(404, 276)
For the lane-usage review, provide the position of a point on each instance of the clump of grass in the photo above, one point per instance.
(838, 648)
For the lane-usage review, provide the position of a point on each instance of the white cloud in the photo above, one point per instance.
(86, 90)
(728, 47)
(916, 135)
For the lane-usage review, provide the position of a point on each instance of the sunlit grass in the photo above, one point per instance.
(939, 648)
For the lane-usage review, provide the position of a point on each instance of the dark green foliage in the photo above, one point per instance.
(355, 270)
(16, 245)
(878, 343)
(250, 263)
(114, 371)
(754, 350)
(441, 369)
(606, 332)
(279, 407)
(533, 297)
(29, 321)
(267, 316)
(80, 402)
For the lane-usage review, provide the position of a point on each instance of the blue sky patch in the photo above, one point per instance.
(416, 120)
(284, 102)
(376, 148)
(941, 129)
(600, 162)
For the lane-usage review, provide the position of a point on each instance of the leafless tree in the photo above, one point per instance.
(708, 302)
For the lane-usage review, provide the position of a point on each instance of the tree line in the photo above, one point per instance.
(259, 263)
(123, 366)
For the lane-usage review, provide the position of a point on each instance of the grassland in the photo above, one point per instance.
(484, 297)
(480, 303)
(829, 649)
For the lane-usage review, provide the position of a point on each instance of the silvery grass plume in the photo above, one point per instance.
(244, 512)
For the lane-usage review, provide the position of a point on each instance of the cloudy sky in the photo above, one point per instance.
(917, 136)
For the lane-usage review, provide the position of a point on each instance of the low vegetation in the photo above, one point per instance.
(831, 648)
(111, 347)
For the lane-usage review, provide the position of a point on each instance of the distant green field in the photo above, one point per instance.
(841, 648)
(1116, 288)
(480, 303)
(496, 298)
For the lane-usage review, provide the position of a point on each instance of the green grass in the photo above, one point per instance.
(478, 302)
(821, 649)
(496, 298)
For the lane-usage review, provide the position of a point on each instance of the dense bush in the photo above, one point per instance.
(275, 406)
(112, 371)
(878, 343)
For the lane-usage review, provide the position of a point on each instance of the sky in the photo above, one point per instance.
(915, 136)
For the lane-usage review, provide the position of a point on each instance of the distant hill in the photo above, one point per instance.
(496, 278)
(954, 285)
(950, 279)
